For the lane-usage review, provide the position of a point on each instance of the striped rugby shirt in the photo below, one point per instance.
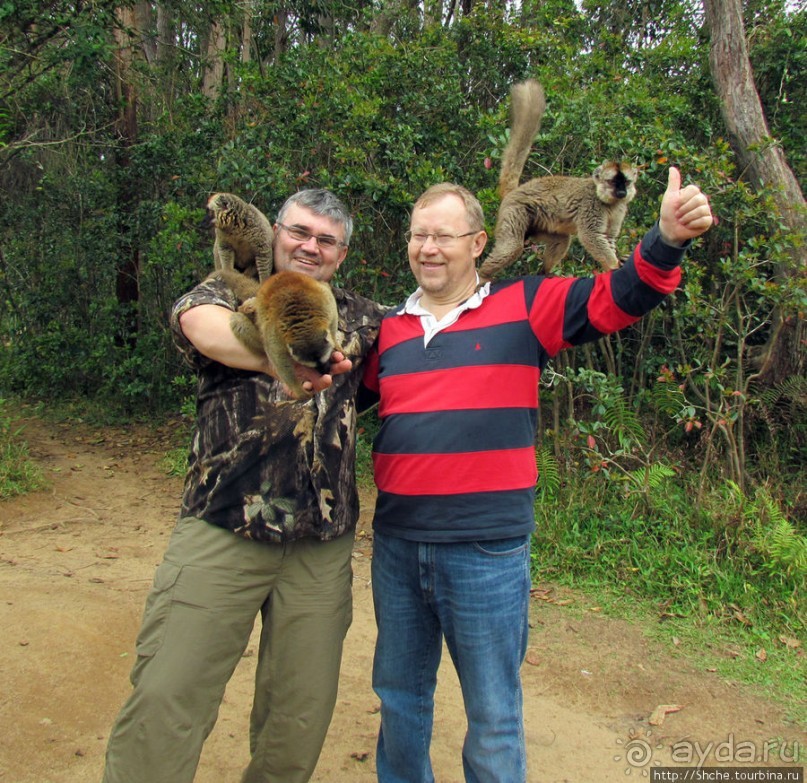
(454, 458)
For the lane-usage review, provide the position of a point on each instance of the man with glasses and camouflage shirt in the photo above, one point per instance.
(266, 527)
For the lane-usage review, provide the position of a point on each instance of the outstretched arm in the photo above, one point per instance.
(685, 213)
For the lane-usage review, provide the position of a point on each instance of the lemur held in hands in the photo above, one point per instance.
(289, 317)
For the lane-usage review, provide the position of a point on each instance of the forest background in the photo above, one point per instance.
(671, 455)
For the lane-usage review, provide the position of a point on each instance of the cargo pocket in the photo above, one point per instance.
(158, 607)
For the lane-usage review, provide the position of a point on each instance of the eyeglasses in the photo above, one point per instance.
(441, 240)
(324, 241)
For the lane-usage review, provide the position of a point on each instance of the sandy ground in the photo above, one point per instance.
(77, 559)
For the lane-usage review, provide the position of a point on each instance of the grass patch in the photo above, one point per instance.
(731, 651)
(726, 578)
(175, 461)
(19, 474)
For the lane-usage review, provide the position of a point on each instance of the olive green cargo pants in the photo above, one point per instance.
(198, 619)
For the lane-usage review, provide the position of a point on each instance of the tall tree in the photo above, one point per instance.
(127, 35)
(765, 165)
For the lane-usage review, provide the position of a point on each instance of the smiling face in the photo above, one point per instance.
(308, 257)
(447, 275)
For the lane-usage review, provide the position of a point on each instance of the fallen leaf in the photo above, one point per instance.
(661, 712)
(738, 615)
(790, 642)
(761, 655)
(533, 658)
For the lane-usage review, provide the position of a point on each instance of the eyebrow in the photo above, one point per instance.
(309, 231)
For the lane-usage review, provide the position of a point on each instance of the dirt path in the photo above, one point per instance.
(77, 560)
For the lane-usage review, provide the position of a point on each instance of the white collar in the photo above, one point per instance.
(431, 326)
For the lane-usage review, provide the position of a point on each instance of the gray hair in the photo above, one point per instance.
(320, 202)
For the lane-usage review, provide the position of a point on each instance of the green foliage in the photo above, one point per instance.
(779, 60)
(175, 461)
(782, 550)
(627, 516)
(686, 558)
(367, 430)
(548, 474)
(19, 474)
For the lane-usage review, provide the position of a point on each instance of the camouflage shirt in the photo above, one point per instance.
(262, 465)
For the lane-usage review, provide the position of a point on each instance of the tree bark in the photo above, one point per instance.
(281, 34)
(765, 165)
(143, 15)
(213, 74)
(165, 35)
(127, 285)
(246, 33)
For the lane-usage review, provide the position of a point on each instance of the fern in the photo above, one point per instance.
(623, 422)
(667, 398)
(793, 388)
(652, 476)
(775, 538)
(548, 473)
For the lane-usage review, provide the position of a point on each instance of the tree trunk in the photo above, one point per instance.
(127, 285)
(281, 34)
(765, 166)
(165, 35)
(213, 74)
(143, 14)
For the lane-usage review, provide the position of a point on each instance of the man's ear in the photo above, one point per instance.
(480, 240)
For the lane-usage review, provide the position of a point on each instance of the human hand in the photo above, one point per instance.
(685, 213)
(314, 382)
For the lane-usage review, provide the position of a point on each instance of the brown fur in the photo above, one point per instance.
(552, 209)
(243, 236)
(527, 107)
(292, 318)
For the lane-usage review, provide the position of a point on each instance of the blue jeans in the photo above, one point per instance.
(476, 595)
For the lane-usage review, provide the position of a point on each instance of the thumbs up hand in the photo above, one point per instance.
(685, 213)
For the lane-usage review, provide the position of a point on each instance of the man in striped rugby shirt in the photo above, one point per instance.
(456, 375)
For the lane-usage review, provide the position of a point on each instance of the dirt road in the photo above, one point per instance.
(77, 559)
